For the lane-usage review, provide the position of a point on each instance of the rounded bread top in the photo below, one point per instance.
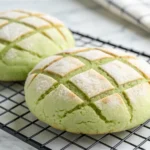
(109, 86)
(26, 37)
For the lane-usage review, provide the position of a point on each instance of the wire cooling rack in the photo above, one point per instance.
(16, 119)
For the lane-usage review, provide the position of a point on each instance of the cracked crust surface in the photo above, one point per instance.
(142, 65)
(93, 55)
(65, 65)
(91, 83)
(33, 34)
(92, 99)
(121, 72)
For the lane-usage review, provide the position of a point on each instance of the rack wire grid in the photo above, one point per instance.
(16, 119)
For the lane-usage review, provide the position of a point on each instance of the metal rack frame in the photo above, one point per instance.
(9, 115)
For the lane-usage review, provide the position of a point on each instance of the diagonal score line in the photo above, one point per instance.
(38, 16)
(73, 73)
(12, 44)
(120, 88)
(76, 33)
(35, 30)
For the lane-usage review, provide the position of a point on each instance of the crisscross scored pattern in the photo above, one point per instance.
(89, 80)
(16, 119)
(30, 35)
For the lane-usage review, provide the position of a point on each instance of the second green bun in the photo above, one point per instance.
(26, 38)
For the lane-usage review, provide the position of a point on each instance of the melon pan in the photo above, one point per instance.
(26, 38)
(90, 90)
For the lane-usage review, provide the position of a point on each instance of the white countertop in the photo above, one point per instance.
(84, 16)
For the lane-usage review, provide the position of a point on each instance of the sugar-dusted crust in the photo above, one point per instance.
(46, 62)
(13, 31)
(91, 92)
(35, 22)
(142, 65)
(3, 22)
(93, 55)
(116, 52)
(70, 64)
(122, 73)
(75, 50)
(13, 15)
(26, 37)
(91, 83)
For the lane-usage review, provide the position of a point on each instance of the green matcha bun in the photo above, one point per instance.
(90, 91)
(26, 38)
